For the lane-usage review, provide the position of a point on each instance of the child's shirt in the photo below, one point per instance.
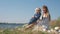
(35, 18)
(37, 15)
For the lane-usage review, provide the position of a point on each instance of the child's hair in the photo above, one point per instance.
(38, 9)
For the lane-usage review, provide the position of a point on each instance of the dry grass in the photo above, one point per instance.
(29, 31)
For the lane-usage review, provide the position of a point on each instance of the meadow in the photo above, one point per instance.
(19, 30)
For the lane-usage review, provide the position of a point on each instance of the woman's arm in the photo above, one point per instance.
(49, 17)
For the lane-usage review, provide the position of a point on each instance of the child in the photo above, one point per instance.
(33, 20)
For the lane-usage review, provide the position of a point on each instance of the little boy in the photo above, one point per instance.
(34, 18)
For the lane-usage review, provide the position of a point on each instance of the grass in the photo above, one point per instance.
(18, 30)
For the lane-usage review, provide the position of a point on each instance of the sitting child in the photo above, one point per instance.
(34, 18)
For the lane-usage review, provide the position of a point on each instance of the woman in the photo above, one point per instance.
(45, 17)
(43, 23)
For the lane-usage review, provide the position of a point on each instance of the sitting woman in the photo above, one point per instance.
(46, 17)
(44, 24)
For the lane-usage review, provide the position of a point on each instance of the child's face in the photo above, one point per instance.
(38, 11)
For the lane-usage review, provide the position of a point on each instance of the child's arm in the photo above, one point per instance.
(32, 16)
(35, 16)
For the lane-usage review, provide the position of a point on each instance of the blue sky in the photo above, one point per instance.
(20, 11)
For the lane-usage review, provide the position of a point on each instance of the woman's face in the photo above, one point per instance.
(44, 10)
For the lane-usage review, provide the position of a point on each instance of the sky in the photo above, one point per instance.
(20, 11)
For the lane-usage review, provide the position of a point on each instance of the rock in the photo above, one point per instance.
(59, 31)
(56, 28)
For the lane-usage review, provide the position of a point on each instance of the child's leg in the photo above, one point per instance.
(30, 26)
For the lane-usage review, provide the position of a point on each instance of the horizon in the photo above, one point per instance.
(20, 11)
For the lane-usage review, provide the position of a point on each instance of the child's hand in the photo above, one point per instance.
(32, 16)
(35, 16)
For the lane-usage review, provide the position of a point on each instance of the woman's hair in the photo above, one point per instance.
(44, 6)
